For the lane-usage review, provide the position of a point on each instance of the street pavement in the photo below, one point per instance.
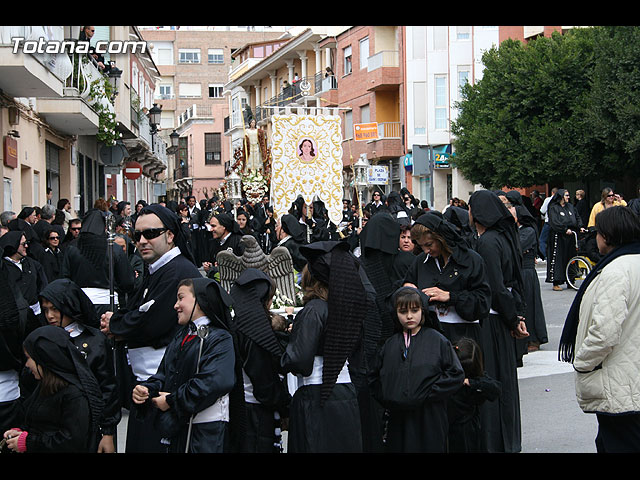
(551, 420)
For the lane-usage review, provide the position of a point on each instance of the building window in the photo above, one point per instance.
(365, 114)
(441, 102)
(183, 155)
(212, 149)
(364, 53)
(420, 108)
(190, 90)
(216, 55)
(419, 42)
(463, 33)
(189, 55)
(215, 91)
(440, 37)
(348, 125)
(347, 60)
(463, 77)
(165, 91)
(165, 56)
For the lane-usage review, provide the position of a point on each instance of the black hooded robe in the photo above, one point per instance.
(464, 277)
(71, 301)
(499, 247)
(334, 427)
(414, 382)
(560, 246)
(266, 396)
(66, 421)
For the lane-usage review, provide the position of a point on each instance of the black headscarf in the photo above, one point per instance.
(71, 301)
(216, 303)
(172, 222)
(92, 241)
(25, 212)
(489, 211)
(332, 263)
(228, 222)
(436, 222)
(10, 242)
(381, 232)
(249, 293)
(523, 213)
(293, 227)
(52, 348)
(431, 319)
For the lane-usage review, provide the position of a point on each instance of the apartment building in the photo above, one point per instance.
(439, 60)
(194, 65)
(350, 71)
(59, 112)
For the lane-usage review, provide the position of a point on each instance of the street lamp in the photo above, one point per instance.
(114, 76)
(174, 137)
(154, 117)
(361, 179)
(234, 183)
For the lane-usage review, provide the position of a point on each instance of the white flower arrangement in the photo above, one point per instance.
(280, 301)
(254, 184)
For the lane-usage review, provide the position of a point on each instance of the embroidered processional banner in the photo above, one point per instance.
(306, 157)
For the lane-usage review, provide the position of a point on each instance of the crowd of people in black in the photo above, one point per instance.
(412, 326)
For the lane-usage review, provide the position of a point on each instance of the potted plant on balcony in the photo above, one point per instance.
(99, 94)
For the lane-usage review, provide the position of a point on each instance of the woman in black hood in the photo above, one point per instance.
(65, 305)
(564, 224)
(451, 274)
(265, 393)
(498, 245)
(62, 415)
(198, 386)
(87, 262)
(326, 333)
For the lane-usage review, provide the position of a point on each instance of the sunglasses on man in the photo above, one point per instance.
(149, 233)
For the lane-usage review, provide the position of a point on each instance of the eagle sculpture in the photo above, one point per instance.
(278, 265)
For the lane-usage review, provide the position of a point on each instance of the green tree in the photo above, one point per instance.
(524, 122)
(614, 113)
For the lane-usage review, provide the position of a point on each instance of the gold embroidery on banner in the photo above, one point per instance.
(304, 171)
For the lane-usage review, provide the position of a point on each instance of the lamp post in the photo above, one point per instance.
(154, 117)
(361, 180)
(234, 183)
(114, 79)
(174, 137)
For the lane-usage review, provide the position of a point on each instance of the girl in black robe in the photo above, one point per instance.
(324, 415)
(191, 389)
(415, 373)
(465, 435)
(65, 305)
(564, 221)
(62, 415)
(498, 245)
(453, 275)
(266, 396)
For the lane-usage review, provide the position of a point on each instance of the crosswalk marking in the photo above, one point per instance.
(541, 364)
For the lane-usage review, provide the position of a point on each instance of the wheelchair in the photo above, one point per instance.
(580, 265)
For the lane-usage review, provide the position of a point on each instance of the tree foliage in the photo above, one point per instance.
(545, 110)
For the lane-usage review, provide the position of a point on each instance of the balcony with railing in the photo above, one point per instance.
(195, 111)
(30, 74)
(383, 70)
(85, 98)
